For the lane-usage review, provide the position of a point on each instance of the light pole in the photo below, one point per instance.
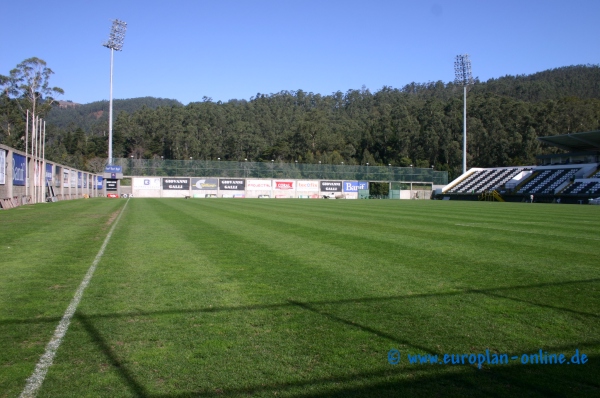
(115, 42)
(463, 76)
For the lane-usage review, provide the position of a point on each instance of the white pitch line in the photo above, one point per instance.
(524, 232)
(34, 382)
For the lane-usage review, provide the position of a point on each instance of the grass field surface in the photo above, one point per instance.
(301, 298)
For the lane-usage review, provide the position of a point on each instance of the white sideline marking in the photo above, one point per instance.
(474, 225)
(34, 382)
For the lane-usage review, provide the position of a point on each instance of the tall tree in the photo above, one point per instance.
(28, 85)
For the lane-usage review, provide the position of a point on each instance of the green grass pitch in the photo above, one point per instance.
(301, 298)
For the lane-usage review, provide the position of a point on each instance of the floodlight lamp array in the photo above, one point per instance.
(117, 35)
(462, 70)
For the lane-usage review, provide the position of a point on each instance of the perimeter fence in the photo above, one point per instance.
(211, 168)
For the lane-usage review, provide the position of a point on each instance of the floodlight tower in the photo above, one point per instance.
(463, 76)
(115, 42)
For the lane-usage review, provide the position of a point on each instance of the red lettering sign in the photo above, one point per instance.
(284, 185)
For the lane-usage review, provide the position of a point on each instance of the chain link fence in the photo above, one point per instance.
(210, 168)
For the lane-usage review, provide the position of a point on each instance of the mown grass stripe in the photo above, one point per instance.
(305, 298)
(34, 382)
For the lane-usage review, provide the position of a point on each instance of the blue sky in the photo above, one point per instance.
(226, 49)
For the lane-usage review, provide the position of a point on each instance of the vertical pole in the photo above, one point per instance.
(39, 154)
(43, 175)
(37, 158)
(465, 131)
(33, 160)
(32, 179)
(110, 111)
(26, 155)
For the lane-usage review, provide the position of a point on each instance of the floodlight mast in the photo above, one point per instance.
(115, 42)
(463, 76)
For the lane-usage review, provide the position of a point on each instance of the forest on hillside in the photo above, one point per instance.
(418, 124)
(90, 117)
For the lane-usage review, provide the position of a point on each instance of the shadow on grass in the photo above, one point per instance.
(464, 380)
(492, 381)
(134, 386)
(502, 382)
(492, 292)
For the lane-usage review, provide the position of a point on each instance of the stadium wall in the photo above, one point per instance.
(208, 187)
(25, 178)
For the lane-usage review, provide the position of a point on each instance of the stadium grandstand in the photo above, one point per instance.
(572, 176)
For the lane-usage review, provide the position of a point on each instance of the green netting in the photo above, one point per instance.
(209, 168)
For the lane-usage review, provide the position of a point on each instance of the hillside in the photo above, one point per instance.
(94, 116)
(419, 124)
(571, 81)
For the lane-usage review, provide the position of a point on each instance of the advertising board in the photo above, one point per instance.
(226, 184)
(330, 186)
(48, 172)
(146, 183)
(205, 184)
(259, 185)
(111, 185)
(2, 166)
(307, 186)
(284, 185)
(354, 186)
(113, 169)
(179, 184)
(19, 170)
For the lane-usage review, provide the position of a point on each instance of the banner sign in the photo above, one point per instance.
(284, 185)
(19, 170)
(111, 185)
(331, 186)
(146, 183)
(113, 169)
(79, 179)
(57, 174)
(48, 172)
(180, 184)
(232, 185)
(307, 185)
(354, 186)
(73, 175)
(85, 180)
(2, 166)
(258, 185)
(205, 184)
(99, 180)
